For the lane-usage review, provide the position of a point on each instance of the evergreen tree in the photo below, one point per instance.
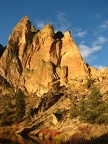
(4, 118)
(94, 98)
(20, 105)
(94, 107)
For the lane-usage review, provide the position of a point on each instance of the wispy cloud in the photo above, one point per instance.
(40, 24)
(100, 67)
(81, 34)
(100, 41)
(62, 23)
(86, 51)
(103, 25)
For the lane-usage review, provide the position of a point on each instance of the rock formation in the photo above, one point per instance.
(35, 60)
(55, 81)
(1, 50)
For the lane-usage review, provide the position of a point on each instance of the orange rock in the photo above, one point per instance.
(34, 58)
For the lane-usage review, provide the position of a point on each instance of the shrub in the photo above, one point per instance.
(5, 117)
(82, 105)
(74, 108)
(91, 108)
(102, 119)
(94, 108)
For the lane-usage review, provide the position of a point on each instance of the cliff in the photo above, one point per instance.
(58, 87)
(35, 59)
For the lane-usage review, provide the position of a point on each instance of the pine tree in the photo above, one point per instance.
(20, 105)
(94, 107)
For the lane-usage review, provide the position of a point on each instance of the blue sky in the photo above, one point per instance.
(86, 19)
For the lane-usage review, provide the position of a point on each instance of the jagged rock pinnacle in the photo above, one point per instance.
(35, 59)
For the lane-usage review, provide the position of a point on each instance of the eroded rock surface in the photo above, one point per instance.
(50, 70)
(35, 59)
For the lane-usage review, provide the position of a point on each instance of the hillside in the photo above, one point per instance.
(46, 87)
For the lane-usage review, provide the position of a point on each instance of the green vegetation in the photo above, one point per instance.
(5, 118)
(13, 108)
(73, 109)
(91, 108)
(20, 105)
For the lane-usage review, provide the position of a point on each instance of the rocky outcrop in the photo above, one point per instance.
(1, 50)
(71, 57)
(36, 59)
(49, 69)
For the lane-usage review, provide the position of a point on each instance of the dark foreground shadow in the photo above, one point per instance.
(27, 140)
(101, 140)
(17, 139)
(7, 141)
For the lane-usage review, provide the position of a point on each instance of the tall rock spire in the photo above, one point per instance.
(72, 58)
(35, 58)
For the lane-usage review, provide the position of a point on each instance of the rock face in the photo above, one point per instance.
(49, 69)
(1, 50)
(36, 59)
(71, 58)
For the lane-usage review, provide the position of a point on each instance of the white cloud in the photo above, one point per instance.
(100, 67)
(100, 41)
(104, 25)
(40, 24)
(62, 23)
(86, 51)
(81, 34)
(78, 32)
